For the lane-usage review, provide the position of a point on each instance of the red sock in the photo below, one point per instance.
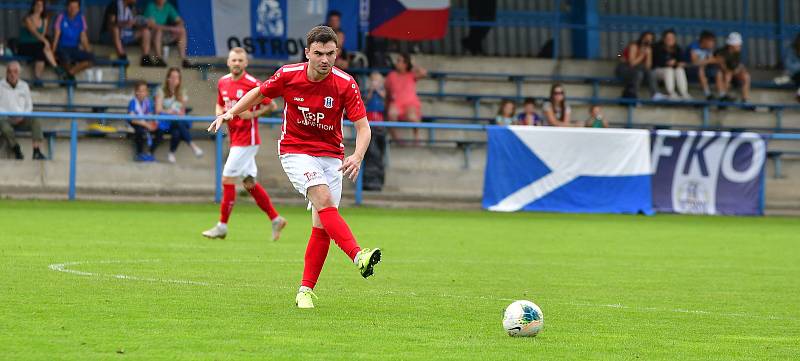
(339, 231)
(316, 252)
(263, 201)
(228, 198)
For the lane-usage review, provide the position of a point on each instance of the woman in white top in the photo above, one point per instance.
(171, 99)
(556, 110)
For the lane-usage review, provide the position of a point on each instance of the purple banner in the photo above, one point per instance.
(708, 172)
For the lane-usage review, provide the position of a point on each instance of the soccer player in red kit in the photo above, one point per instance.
(243, 129)
(316, 95)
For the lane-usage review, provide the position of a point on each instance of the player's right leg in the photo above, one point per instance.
(220, 230)
(235, 165)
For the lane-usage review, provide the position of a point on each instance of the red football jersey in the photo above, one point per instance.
(314, 111)
(244, 132)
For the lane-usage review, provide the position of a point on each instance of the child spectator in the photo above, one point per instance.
(556, 110)
(71, 42)
(730, 62)
(373, 161)
(704, 63)
(529, 115)
(505, 113)
(171, 99)
(669, 67)
(596, 118)
(147, 134)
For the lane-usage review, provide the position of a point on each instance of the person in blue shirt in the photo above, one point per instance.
(529, 115)
(703, 64)
(147, 135)
(70, 40)
(374, 171)
(791, 62)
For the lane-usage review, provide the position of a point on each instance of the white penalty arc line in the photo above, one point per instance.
(64, 267)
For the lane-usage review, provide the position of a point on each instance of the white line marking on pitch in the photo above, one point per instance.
(64, 267)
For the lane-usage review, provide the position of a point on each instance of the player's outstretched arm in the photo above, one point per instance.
(249, 100)
(352, 164)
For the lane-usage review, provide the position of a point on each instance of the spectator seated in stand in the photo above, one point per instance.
(529, 115)
(171, 100)
(401, 89)
(596, 118)
(33, 42)
(791, 65)
(147, 135)
(70, 40)
(15, 96)
(505, 113)
(167, 28)
(729, 58)
(556, 110)
(704, 65)
(635, 66)
(122, 27)
(373, 160)
(669, 67)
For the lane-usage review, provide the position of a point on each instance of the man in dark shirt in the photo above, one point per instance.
(730, 62)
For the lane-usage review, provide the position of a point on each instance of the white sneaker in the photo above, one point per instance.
(687, 97)
(659, 96)
(783, 79)
(197, 151)
(278, 224)
(304, 298)
(171, 158)
(674, 97)
(218, 231)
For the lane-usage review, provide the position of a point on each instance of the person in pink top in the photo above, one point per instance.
(401, 89)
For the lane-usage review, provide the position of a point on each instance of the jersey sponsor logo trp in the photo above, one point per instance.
(313, 119)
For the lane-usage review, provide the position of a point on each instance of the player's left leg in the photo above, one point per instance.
(325, 199)
(265, 203)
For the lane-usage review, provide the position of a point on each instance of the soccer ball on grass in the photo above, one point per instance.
(523, 319)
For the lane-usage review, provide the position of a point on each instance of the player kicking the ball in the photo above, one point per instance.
(311, 151)
(243, 128)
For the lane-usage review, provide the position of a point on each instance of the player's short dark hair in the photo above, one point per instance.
(138, 84)
(321, 34)
(529, 100)
(334, 13)
(705, 34)
(73, 1)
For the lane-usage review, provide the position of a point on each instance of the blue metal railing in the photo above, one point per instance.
(218, 139)
(556, 21)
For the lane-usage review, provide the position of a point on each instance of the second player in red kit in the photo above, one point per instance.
(243, 129)
(317, 96)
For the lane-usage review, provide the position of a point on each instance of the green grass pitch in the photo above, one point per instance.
(109, 281)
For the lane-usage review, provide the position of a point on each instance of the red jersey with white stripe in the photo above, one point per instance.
(314, 111)
(244, 132)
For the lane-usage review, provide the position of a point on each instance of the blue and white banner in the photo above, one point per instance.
(708, 172)
(274, 29)
(568, 170)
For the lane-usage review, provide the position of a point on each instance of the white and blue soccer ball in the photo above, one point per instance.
(523, 319)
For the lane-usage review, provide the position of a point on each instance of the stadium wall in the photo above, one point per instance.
(435, 177)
